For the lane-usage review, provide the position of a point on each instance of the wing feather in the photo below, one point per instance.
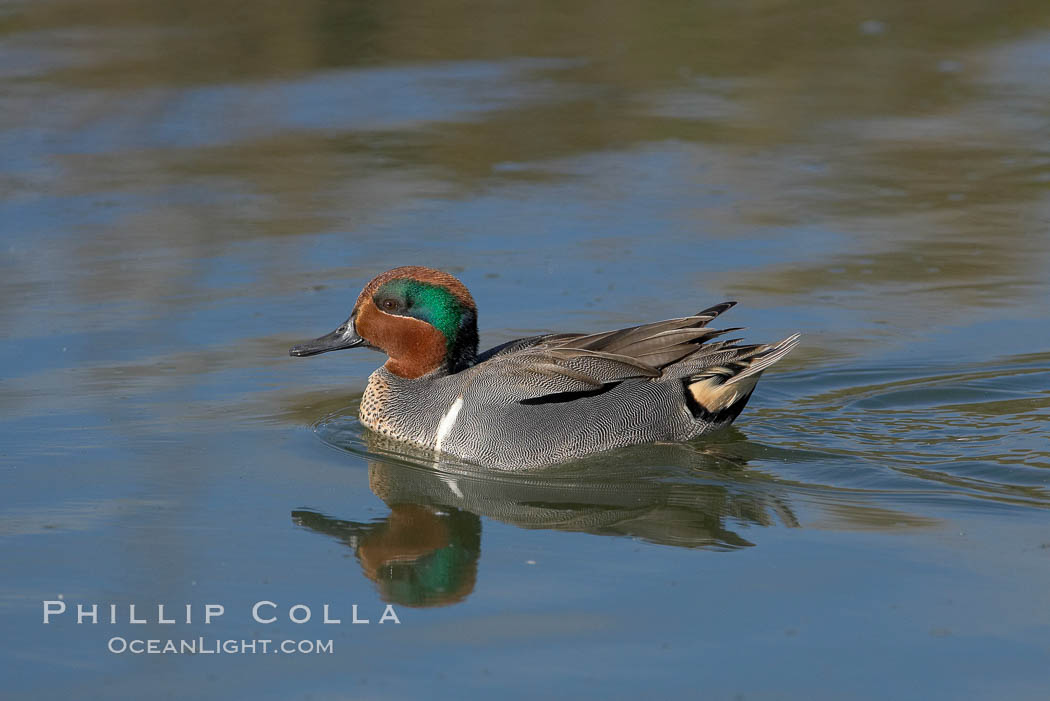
(683, 347)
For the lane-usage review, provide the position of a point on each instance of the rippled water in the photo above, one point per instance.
(186, 190)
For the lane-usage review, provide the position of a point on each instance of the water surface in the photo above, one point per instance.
(188, 189)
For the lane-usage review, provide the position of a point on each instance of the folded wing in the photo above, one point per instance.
(682, 347)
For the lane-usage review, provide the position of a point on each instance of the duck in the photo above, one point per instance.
(544, 399)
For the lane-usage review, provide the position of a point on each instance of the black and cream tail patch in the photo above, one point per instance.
(723, 387)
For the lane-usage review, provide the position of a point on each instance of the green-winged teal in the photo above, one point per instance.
(543, 399)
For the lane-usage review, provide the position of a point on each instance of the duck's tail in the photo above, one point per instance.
(718, 393)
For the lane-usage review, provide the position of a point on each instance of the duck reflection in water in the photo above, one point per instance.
(426, 551)
(419, 555)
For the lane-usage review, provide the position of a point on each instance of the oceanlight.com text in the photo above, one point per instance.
(216, 646)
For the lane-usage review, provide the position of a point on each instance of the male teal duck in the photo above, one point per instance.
(542, 399)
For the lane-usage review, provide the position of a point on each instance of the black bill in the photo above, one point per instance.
(343, 337)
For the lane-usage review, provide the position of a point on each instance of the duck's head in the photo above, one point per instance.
(422, 318)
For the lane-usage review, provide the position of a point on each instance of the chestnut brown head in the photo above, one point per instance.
(422, 318)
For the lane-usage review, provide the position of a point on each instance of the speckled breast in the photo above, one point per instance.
(407, 410)
(372, 412)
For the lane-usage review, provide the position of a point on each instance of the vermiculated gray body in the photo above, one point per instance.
(549, 399)
(511, 436)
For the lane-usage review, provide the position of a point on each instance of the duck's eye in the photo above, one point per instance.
(389, 304)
